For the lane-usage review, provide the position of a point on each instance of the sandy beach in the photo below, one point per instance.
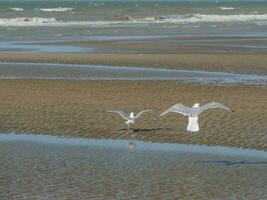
(79, 108)
(65, 64)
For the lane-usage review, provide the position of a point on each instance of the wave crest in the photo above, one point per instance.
(180, 19)
(16, 9)
(59, 9)
(195, 18)
(24, 21)
(227, 8)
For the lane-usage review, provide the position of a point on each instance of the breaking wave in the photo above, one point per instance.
(16, 9)
(172, 19)
(227, 8)
(59, 9)
(26, 21)
(198, 18)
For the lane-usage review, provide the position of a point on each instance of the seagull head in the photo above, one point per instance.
(196, 105)
(131, 115)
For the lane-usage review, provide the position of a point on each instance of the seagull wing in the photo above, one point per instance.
(140, 113)
(178, 108)
(122, 114)
(211, 106)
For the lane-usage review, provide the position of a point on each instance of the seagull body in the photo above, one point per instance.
(130, 119)
(193, 112)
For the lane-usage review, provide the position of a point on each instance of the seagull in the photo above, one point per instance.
(130, 119)
(193, 112)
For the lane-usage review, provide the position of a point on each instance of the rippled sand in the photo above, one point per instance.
(46, 171)
(79, 108)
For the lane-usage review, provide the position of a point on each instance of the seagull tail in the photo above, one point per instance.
(193, 124)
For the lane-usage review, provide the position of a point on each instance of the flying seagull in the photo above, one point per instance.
(130, 119)
(193, 112)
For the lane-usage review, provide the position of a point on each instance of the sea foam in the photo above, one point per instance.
(16, 9)
(194, 18)
(59, 9)
(26, 21)
(227, 8)
(179, 19)
(225, 18)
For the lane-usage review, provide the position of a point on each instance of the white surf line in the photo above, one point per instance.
(184, 148)
(174, 19)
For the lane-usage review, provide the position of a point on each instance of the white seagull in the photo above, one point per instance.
(130, 119)
(193, 112)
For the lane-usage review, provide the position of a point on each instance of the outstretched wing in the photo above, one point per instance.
(178, 108)
(122, 114)
(211, 106)
(140, 113)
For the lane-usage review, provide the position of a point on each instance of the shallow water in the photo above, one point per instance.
(121, 144)
(98, 72)
(31, 47)
(47, 167)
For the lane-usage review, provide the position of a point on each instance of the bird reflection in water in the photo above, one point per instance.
(131, 145)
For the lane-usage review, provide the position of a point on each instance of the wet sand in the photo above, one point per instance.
(79, 108)
(251, 63)
(171, 44)
(53, 171)
(55, 71)
(241, 54)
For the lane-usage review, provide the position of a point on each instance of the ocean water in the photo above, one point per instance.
(72, 19)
